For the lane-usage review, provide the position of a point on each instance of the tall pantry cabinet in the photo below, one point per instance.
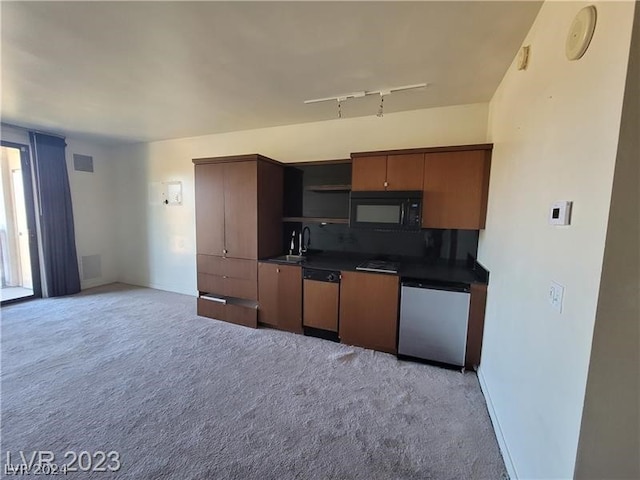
(238, 219)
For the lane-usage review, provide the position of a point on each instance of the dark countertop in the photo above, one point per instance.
(411, 268)
(438, 271)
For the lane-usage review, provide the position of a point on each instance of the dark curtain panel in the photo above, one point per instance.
(56, 215)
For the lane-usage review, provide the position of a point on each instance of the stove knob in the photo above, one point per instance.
(331, 277)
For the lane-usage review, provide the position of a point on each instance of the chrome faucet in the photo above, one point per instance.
(293, 243)
(304, 247)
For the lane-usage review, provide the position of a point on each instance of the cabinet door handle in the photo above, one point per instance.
(386, 184)
(224, 276)
(225, 251)
(277, 270)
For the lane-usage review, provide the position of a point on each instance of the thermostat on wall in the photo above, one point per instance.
(560, 213)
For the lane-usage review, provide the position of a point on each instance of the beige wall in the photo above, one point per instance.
(94, 201)
(610, 435)
(93, 197)
(156, 243)
(555, 132)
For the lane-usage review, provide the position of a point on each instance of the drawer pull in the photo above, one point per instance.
(214, 299)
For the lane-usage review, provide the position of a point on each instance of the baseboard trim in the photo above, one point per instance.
(502, 443)
(167, 288)
(86, 284)
(158, 286)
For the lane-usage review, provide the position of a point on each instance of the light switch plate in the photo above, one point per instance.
(556, 296)
(560, 213)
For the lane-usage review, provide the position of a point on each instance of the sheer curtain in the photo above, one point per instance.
(56, 215)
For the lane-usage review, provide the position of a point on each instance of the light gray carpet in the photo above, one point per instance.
(183, 397)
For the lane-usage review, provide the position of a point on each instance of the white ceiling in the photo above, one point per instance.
(140, 71)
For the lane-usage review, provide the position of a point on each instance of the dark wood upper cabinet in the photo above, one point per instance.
(209, 193)
(240, 209)
(368, 173)
(270, 209)
(456, 186)
(369, 310)
(388, 172)
(280, 296)
(405, 172)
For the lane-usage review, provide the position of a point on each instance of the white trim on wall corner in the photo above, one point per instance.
(502, 443)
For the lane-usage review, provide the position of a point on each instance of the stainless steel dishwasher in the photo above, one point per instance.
(433, 322)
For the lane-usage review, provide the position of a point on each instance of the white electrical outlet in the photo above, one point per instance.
(556, 295)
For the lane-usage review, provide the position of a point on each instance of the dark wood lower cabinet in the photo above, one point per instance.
(228, 286)
(476, 325)
(369, 310)
(280, 296)
(229, 277)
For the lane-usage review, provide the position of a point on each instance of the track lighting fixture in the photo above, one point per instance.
(381, 107)
(364, 93)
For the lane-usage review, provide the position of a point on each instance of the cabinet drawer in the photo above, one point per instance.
(211, 309)
(237, 287)
(209, 264)
(228, 286)
(241, 315)
(230, 312)
(210, 283)
(225, 266)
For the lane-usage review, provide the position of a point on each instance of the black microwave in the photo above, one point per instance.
(386, 210)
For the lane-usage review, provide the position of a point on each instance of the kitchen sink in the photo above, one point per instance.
(291, 258)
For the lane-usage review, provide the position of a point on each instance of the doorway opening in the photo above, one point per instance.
(19, 264)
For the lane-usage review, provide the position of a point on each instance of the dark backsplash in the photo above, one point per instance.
(299, 200)
(428, 244)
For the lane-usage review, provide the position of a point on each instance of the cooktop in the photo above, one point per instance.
(383, 266)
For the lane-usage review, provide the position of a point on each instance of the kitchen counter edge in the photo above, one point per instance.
(470, 273)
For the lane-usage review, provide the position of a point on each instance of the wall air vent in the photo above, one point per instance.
(82, 163)
(91, 267)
